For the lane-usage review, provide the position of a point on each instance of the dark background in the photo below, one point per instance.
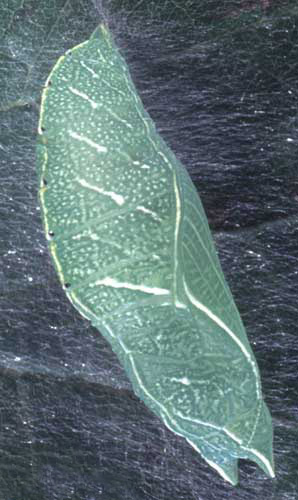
(220, 79)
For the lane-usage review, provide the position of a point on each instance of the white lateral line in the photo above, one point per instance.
(98, 147)
(223, 429)
(263, 459)
(93, 104)
(232, 436)
(146, 289)
(118, 198)
(177, 226)
(222, 325)
(215, 466)
(200, 422)
(207, 424)
(80, 306)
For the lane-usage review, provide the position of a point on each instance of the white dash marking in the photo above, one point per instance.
(94, 236)
(183, 380)
(144, 166)
(99, 148)
(95, 75)
(130, 286)
(149, 212)
(84, 96)
(180, 305)
(118, 198)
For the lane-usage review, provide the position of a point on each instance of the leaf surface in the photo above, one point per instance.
(132, 247)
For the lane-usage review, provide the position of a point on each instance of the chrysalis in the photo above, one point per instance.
(132, 247)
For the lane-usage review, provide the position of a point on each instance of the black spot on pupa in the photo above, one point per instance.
(51, 234)
(42, 129)
(44, 181)
(66, 285)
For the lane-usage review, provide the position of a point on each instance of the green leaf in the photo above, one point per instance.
(132, 247)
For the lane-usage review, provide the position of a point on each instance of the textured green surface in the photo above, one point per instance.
(132, 247)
